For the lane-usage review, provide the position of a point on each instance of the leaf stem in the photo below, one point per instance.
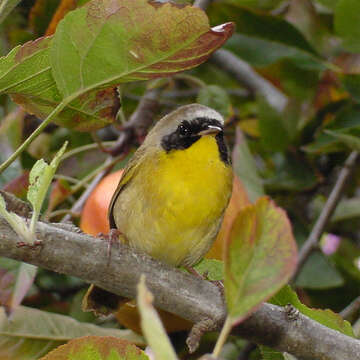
(83, 148)
(62, 212)
(225, 331)
(34, 219)
(192, 79)
(84, 182)
(36, 132)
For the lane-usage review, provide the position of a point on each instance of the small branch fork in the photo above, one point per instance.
(66, 251)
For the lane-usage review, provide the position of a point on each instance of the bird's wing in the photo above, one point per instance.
(129, 172)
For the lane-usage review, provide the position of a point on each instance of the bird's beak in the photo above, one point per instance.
(210, 129)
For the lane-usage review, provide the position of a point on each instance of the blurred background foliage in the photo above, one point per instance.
(308, 50)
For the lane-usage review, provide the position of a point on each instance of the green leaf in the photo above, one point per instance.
(97, 348)
(267, 27)
(318, 273)
(331, 4)
(31, 333)
(347, 18)
(95, 48)
(263, 39)
(11, 130)
(217, 98)
(6, 6)
(353, 142)
(346, 122)
(347, 118)
(346, 258)
(151, 325)
(260, 257)
(273, 130)
(324, 144)
(24, 280)
(20, 279)
(347, 209)
(40, 178)
(107, 42)
(39, 184)
(25, 73)
(22, 65)
(245, 168)
(212, 269)
(325, 317)
(271, 354)
(351, 83)
(14, 170)
(17, 223)
(290, 174)
(261, 52)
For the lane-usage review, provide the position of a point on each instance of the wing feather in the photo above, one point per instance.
(130, 171)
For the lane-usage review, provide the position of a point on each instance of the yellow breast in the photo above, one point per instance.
(177, 202)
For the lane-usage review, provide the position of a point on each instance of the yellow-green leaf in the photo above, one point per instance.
(97, 348)
(31, 333)
(260, 257)
(107, 42)
(325, 317)
(151, 325)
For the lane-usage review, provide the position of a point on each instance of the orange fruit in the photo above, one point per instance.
(94, 220)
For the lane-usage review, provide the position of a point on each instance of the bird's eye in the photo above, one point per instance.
(183, 130)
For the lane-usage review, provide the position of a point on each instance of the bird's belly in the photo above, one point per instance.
(177, 214)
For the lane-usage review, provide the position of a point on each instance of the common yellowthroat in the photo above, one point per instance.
(172, 196)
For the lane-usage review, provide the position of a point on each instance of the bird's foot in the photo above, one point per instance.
(197, 331)
(110, 238)
(219, 284)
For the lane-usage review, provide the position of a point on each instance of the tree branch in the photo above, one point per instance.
(245, 74)
(65, 251)
(329, 207)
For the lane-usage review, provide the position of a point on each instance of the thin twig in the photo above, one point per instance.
(356, 328)
(351, 309)
(33, 135)
(86, 147)
(66, 178)
(107, 166)
(78, 205)
(99, 143)
(62, 212)
(311, 243)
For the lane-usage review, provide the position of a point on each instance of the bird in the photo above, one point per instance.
(172, 196)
